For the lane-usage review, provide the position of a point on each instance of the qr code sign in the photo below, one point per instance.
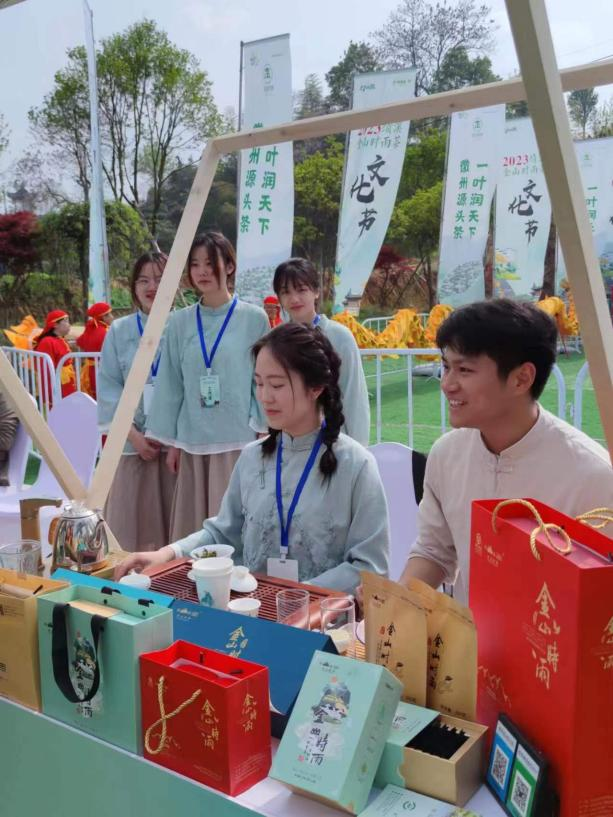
(500, 764)
(520, 794)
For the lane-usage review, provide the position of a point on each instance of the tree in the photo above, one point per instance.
(422, 33)
(359, 58)
(424, 163)
(603, 120)
(4, 134)
(390, 281)
(155, 105)
(64, 249)
(317, 184)
(63, 119)
(18, 233)
(582, 107)
(415, 225)
(459, 70)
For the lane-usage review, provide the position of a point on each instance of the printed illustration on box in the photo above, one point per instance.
(335, 736)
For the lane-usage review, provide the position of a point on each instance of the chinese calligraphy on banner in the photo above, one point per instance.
(595, 158)
(372, 174)
(472, 168)
(266, 193)
(523, 215)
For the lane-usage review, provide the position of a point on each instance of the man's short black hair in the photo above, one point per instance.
(509, 332)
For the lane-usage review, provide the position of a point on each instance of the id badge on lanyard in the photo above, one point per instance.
(210, 387)
(210, 391)
(148, 390)
(283, 567)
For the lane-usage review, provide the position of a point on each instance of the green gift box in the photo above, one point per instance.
(333, 742)
(89, 643)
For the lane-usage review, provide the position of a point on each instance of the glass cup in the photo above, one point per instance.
(338, 621)
(293, 608)
(22, 556)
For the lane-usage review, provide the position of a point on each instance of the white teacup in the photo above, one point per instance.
(211, 551)
(245, 606)
(212, 577)
(138, 580)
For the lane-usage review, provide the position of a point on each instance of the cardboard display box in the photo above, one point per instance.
(454, 780)
(337, 730)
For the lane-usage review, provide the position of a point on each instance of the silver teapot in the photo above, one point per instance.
(79, 540)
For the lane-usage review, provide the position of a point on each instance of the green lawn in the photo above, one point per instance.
(426, 402)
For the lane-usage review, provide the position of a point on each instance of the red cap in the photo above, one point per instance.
(99, 310)
(54, 317)
(271, 299)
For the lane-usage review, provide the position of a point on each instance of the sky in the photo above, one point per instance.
(35, 34)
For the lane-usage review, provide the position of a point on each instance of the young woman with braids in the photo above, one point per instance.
(306, 492)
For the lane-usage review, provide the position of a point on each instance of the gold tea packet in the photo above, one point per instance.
(452, 652)
(396, 634)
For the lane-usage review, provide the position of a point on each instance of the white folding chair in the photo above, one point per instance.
(74, 423)
(18, 462)
(395, 462)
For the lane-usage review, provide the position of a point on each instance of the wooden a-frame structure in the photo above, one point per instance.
(541, 84)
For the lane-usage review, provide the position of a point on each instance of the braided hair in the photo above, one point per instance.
(308, 352)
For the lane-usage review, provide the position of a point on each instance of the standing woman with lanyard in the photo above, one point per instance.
(140, 500)
(305, 503)
(204, 405)
(296, 284)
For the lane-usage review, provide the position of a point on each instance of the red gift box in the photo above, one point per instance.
(543, 605)
(206, 715)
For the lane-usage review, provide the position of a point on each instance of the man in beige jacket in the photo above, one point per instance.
(497, 357)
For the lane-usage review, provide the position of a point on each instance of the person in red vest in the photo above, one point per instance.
(91, 340)
(52, 341)
(273, 310)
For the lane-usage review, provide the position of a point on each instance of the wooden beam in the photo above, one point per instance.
(154, 327)
(535, 51)
(20, 401)
(479, 96)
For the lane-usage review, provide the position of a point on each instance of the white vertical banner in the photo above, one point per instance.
(523, 215)
(473, 160)
(266, 190)
(99, 283)
(373, 167)
(595, 158)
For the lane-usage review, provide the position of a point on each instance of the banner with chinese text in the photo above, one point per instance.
(473, 160)
(266, 191)
(595, 158)
(373, 166)
(523, 215)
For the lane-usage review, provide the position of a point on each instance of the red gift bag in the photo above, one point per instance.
(541, 591)
(206, 715)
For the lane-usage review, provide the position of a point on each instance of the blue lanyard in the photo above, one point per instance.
(316, 320)
(301, 483)
(208, 361)
(156, 363)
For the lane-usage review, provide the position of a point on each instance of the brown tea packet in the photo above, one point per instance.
(396, 634)
(452, 652)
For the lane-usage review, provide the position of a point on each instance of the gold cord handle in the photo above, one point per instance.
(165, 718)
(542, 527)
(601, 516)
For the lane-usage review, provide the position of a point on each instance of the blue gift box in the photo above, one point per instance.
(85, 580)
(286, 651)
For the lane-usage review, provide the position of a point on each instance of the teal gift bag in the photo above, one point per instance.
(89, 642)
